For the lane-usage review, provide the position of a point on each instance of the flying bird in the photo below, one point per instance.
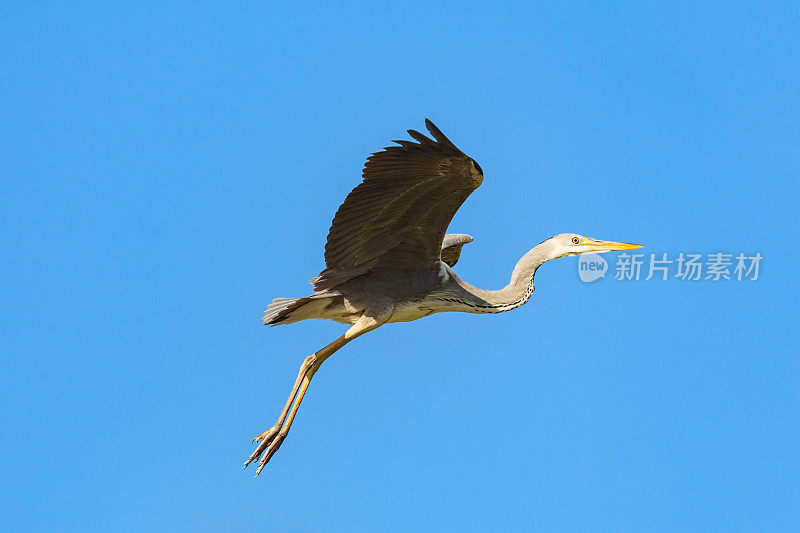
(388, 258)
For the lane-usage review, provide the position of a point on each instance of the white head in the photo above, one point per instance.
(573, 244)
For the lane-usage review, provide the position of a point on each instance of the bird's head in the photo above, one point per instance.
(567, 244)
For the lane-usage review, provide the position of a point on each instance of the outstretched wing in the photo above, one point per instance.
(451, 247)
(398, 215)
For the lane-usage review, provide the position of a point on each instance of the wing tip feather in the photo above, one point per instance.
(440, 137)
(421, 138)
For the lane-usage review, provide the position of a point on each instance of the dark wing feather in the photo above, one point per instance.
(398, 215)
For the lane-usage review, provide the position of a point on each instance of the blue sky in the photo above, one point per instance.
(167, 171)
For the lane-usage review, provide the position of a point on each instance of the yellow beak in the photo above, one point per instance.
(610, 246)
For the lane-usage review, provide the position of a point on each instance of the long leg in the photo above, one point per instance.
(270, 433)
(271, 440)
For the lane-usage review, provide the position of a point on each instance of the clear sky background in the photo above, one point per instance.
(167, 171)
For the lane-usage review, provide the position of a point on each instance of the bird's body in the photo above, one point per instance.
(413, 294)
(388, 258)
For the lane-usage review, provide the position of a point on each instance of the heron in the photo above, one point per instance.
(389, 259)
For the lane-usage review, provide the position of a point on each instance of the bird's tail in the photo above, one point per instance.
(289, 310)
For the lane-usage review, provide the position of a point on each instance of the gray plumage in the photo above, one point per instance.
(451, 247)
(388, 259)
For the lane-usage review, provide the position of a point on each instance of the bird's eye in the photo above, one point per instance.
(575, 240)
